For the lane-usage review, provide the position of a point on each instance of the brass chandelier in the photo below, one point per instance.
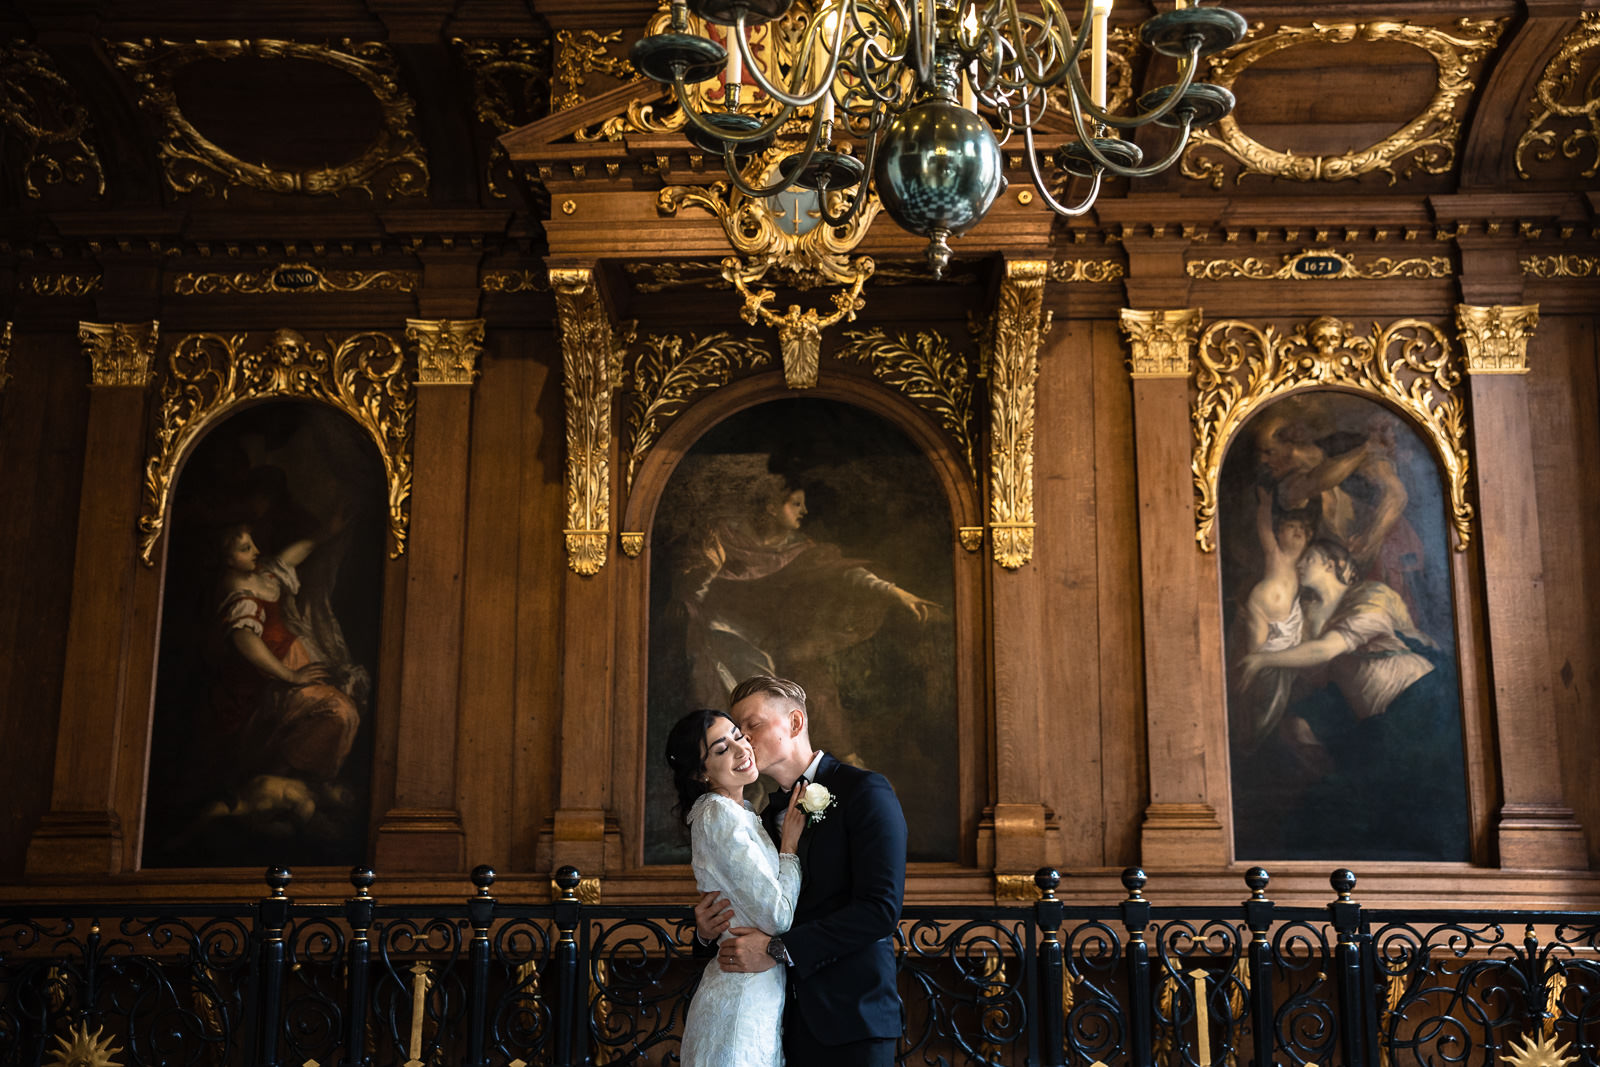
(907, 77)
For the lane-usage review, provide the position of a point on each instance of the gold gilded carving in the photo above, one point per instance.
(1541, 1051)
(632, 543)
(1407, 365)
(120, 353)
(669, 373)
(591, 362)
(1566, 94)
(1425, 144)
(1010, 889)
(581, 54)
(447, 349)
(52, 128)
(1562, 266)
(971, 537)
(5, 354)
(587, 891)
(60, 283)
(1495, 339)
(1094, 271)
(1320, 264)
(510, 81)
(514, 281)
(1019, 324)
(925, 369)
(392, 165)
(1161, 342)
(295, 278)
(800, 330)
(207, 376)
(80, 1048)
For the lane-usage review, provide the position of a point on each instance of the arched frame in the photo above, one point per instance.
(631, 761)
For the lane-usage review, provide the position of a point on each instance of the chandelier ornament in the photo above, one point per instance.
(907, 78)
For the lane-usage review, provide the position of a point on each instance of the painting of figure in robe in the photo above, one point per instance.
(1343, 686)
(811, 540)
(262, 741)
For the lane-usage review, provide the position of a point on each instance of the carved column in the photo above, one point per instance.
(1536, 828)
(1022, 823)
(1181, 828)
(583, 833)
(422, 830)
(82, 833)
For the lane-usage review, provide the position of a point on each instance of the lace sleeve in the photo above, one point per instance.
(733, 856)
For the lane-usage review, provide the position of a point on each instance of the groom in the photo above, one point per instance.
(841, 1007)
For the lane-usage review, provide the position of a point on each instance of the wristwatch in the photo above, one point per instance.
(776, 950)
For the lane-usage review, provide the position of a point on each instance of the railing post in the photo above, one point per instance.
(358, 913)
(480, 912)
(274, 916)
(1258, 917)
(1047, 914)
(568, 995)
(1346, 914)
(1141, 1017)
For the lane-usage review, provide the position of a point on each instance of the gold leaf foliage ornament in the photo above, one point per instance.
(393, 165)
(583, 53)
(120, 353)
(1161, 343)
(1495, 338)
(294, 278)
(925, 368)
(1426, 143)
(1320, 264)
(207, 376)
(510, 87)
(1561, 266)
(1565, 95)
(60, 283)
(447, 349)
(800, 329)
(1015, 333)
(1407, 365)
(669, 373)
(52, 127)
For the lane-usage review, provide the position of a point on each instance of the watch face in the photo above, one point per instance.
(795, 210)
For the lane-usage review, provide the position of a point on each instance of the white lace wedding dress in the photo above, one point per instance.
(735, 1020)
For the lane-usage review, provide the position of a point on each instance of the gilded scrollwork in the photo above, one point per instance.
(1160, 343)
(71, 283)
(294, 278)
(447, 349)
(1568, 92)
(581, 54)
(52, 127)
(1092, 271)
(121, 354)
(1407, 364)
(1331, 265)
(929, 372)
(206, 376)
(591, 362)
(1014, 335)
(670, 372)
(1426, 143)
(800, 329)
(1561, 266)
(510, 88)
(1495, 339)
(514, 281)
(394, 164)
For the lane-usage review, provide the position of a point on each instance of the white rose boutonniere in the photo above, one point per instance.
(815, 800)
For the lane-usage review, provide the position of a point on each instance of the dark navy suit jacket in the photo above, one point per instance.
(853, 876)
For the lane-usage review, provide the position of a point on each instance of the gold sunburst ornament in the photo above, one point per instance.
(80, 1048)
(1539, 1052)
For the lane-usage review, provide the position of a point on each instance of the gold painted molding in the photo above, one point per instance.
(1565, 93)
(1333, 266)
(1161, 342)
(120, 353)
(394, 164)
(295, 278)
(1019, 325)
(1561, 266)
(800, 330)
(5, 354)
(1495, 339)
(510, 80)
(60, 283)
(591, 362)
(206, 376)
(1426, 143)
(931, 374)
(52, 127)
(1407, 365)
(447, 349)
(669, 373)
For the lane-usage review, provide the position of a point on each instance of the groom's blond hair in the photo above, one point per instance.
(771, 685)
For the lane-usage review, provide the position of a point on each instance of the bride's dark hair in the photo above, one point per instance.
(686, 755)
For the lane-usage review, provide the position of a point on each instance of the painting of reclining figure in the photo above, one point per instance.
(1343, 685)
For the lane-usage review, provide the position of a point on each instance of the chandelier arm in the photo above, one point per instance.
(1146, 171)
(781, 186)
(727, 137)
(1044, 190)
(754, 69)
(1046, 76)
(862, 194)
(1082, 98)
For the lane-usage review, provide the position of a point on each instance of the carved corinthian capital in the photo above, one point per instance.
(1495, 339)
(447, 349)
(120, 353)
(591, 361)
(1019, 324)
(1162, 341)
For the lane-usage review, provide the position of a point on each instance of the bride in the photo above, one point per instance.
(735, 1019)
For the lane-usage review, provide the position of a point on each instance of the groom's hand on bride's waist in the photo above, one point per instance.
(746, 951)
(711, 916)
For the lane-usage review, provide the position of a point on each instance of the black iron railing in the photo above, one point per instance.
(487, 982)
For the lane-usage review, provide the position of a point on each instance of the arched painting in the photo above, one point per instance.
(262, 740)
(813, 540)
(1343, 681)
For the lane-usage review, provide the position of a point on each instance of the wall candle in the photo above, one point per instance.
(734, 74)
(1101, 13)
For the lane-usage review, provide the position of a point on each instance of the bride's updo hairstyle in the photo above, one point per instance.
(686, 755)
